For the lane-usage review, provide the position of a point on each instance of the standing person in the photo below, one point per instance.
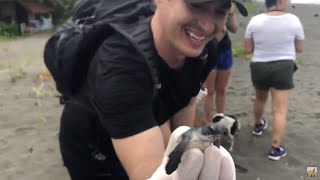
(274, 38)
(217, 81)
(115, 126)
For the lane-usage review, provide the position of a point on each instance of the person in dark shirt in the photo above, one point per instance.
(217, 81)
(117, 126)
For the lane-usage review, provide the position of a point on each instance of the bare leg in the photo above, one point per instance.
(259, 103)
(279, 109)
(221, 84)
(208, 99)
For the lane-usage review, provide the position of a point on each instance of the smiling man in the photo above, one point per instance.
(181, 28)
(116, 126)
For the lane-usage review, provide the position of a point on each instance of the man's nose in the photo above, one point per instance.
(211, 24)
(207, 24)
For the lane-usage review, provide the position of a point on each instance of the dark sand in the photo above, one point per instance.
(29, 124)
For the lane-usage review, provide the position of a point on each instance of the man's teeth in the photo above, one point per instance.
(195, 37)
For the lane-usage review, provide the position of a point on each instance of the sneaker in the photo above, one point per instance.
(277, 153)
(258, 128)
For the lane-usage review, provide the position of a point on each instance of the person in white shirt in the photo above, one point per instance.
(274, 38)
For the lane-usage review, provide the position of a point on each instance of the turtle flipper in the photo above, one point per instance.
(175, 157)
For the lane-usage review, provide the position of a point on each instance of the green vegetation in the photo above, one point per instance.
(5, 49)
(17, 73)
(6, 38)
(299, 61)
(62, 9)
(2, 66)
(9, 30)
(18, 70)
(238, 51)
(253, 7)
(40, 92)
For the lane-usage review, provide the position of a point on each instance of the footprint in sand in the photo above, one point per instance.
(3, 144)
(6, 165)
(317, 115)
(292, 135)
(293, 162)
(240, 114)
(297, 123)
(316, 140)
(49, 151)
(231, 92)
(23, 130)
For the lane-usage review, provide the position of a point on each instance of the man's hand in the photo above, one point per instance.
(213, 163)
(202, 93)
(232, 10)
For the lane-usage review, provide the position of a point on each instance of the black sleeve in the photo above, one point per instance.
(225, 43)
(121, 88)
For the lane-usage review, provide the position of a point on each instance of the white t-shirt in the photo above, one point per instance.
(274, 36)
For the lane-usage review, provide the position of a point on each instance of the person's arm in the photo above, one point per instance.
(137, 140)
(299, 38)
(248, 45)
(299, 45)
(166, 132)
(232, 22)
(141, 154)
(122, 92)
(184, 117)
(248, 39)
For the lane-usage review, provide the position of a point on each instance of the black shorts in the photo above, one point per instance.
(86, 150)
(275, 74)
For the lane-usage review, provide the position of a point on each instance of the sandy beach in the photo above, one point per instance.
(30, 113)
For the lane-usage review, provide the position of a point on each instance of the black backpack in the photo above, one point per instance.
(69, 51)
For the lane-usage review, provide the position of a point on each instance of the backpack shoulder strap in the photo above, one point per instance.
(139, 35)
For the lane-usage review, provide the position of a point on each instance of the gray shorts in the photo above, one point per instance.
(275, 74)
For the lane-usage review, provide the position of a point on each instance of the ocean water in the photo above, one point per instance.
(301, 1)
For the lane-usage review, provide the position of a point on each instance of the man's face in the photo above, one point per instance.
(189, 27)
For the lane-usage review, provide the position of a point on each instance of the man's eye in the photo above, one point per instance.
(221, 13)
(196, 6)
